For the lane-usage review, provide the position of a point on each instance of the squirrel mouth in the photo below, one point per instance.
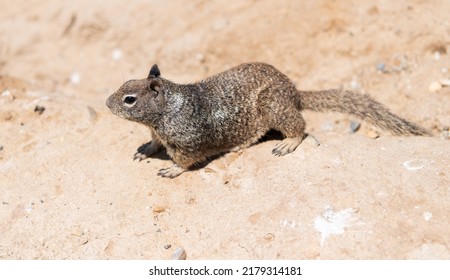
(108, 102)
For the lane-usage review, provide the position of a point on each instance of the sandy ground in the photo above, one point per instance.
(69, 188)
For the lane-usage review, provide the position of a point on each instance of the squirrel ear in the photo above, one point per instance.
(155, 85)
(154, 72)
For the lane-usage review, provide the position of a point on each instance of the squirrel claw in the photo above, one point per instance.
(171, 172)
(146, 150)
(139, 156)
(276, 152)
(288, 145)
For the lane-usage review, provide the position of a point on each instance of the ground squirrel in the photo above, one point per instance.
(233, 110)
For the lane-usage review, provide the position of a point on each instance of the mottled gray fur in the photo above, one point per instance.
(233, 110)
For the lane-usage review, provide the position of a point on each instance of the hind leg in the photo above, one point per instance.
(293, 128)
(280, 109)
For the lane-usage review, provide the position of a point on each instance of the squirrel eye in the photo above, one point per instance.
(129, 99)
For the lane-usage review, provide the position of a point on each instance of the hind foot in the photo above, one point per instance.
(286, 146)
(171, 172)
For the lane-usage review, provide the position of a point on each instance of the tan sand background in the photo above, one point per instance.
(69, 188)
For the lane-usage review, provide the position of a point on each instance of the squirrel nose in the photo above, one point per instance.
(108, 102)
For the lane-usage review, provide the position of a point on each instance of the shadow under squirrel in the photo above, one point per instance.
(233, 110)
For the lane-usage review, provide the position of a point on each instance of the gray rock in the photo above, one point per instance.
(354, 126)
(179, 254)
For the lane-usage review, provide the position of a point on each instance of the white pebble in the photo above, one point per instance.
(437, 55)
(434, 86)
(414, 164)
(116, 54)
(179, 254)
(75, 78)
(200, 57)
(355, 84)
(427, 216)
(6, 93)
(445, 82)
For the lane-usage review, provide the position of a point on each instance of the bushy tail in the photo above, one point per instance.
(360, 105)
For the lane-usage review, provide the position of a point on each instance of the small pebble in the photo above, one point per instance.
(446, 132)
(372, 134)
(437, 55)
(7, 97)
(434, 86)
(116, 54)
(427, 216)
(92, 113)
(414, 164)
(445, 82)
(179, 254)
(381, 67)
(200, 57)
(158, 209)
(75, 78)
(1, 147)
(39, 109)
(167, 246)
(354, 126)
(355, 84)
(209, 170)
(269, 237)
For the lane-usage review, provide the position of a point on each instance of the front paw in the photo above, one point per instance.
(138, 156)
(146, 150)
(171, 172)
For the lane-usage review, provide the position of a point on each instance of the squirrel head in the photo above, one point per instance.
(139, 100)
